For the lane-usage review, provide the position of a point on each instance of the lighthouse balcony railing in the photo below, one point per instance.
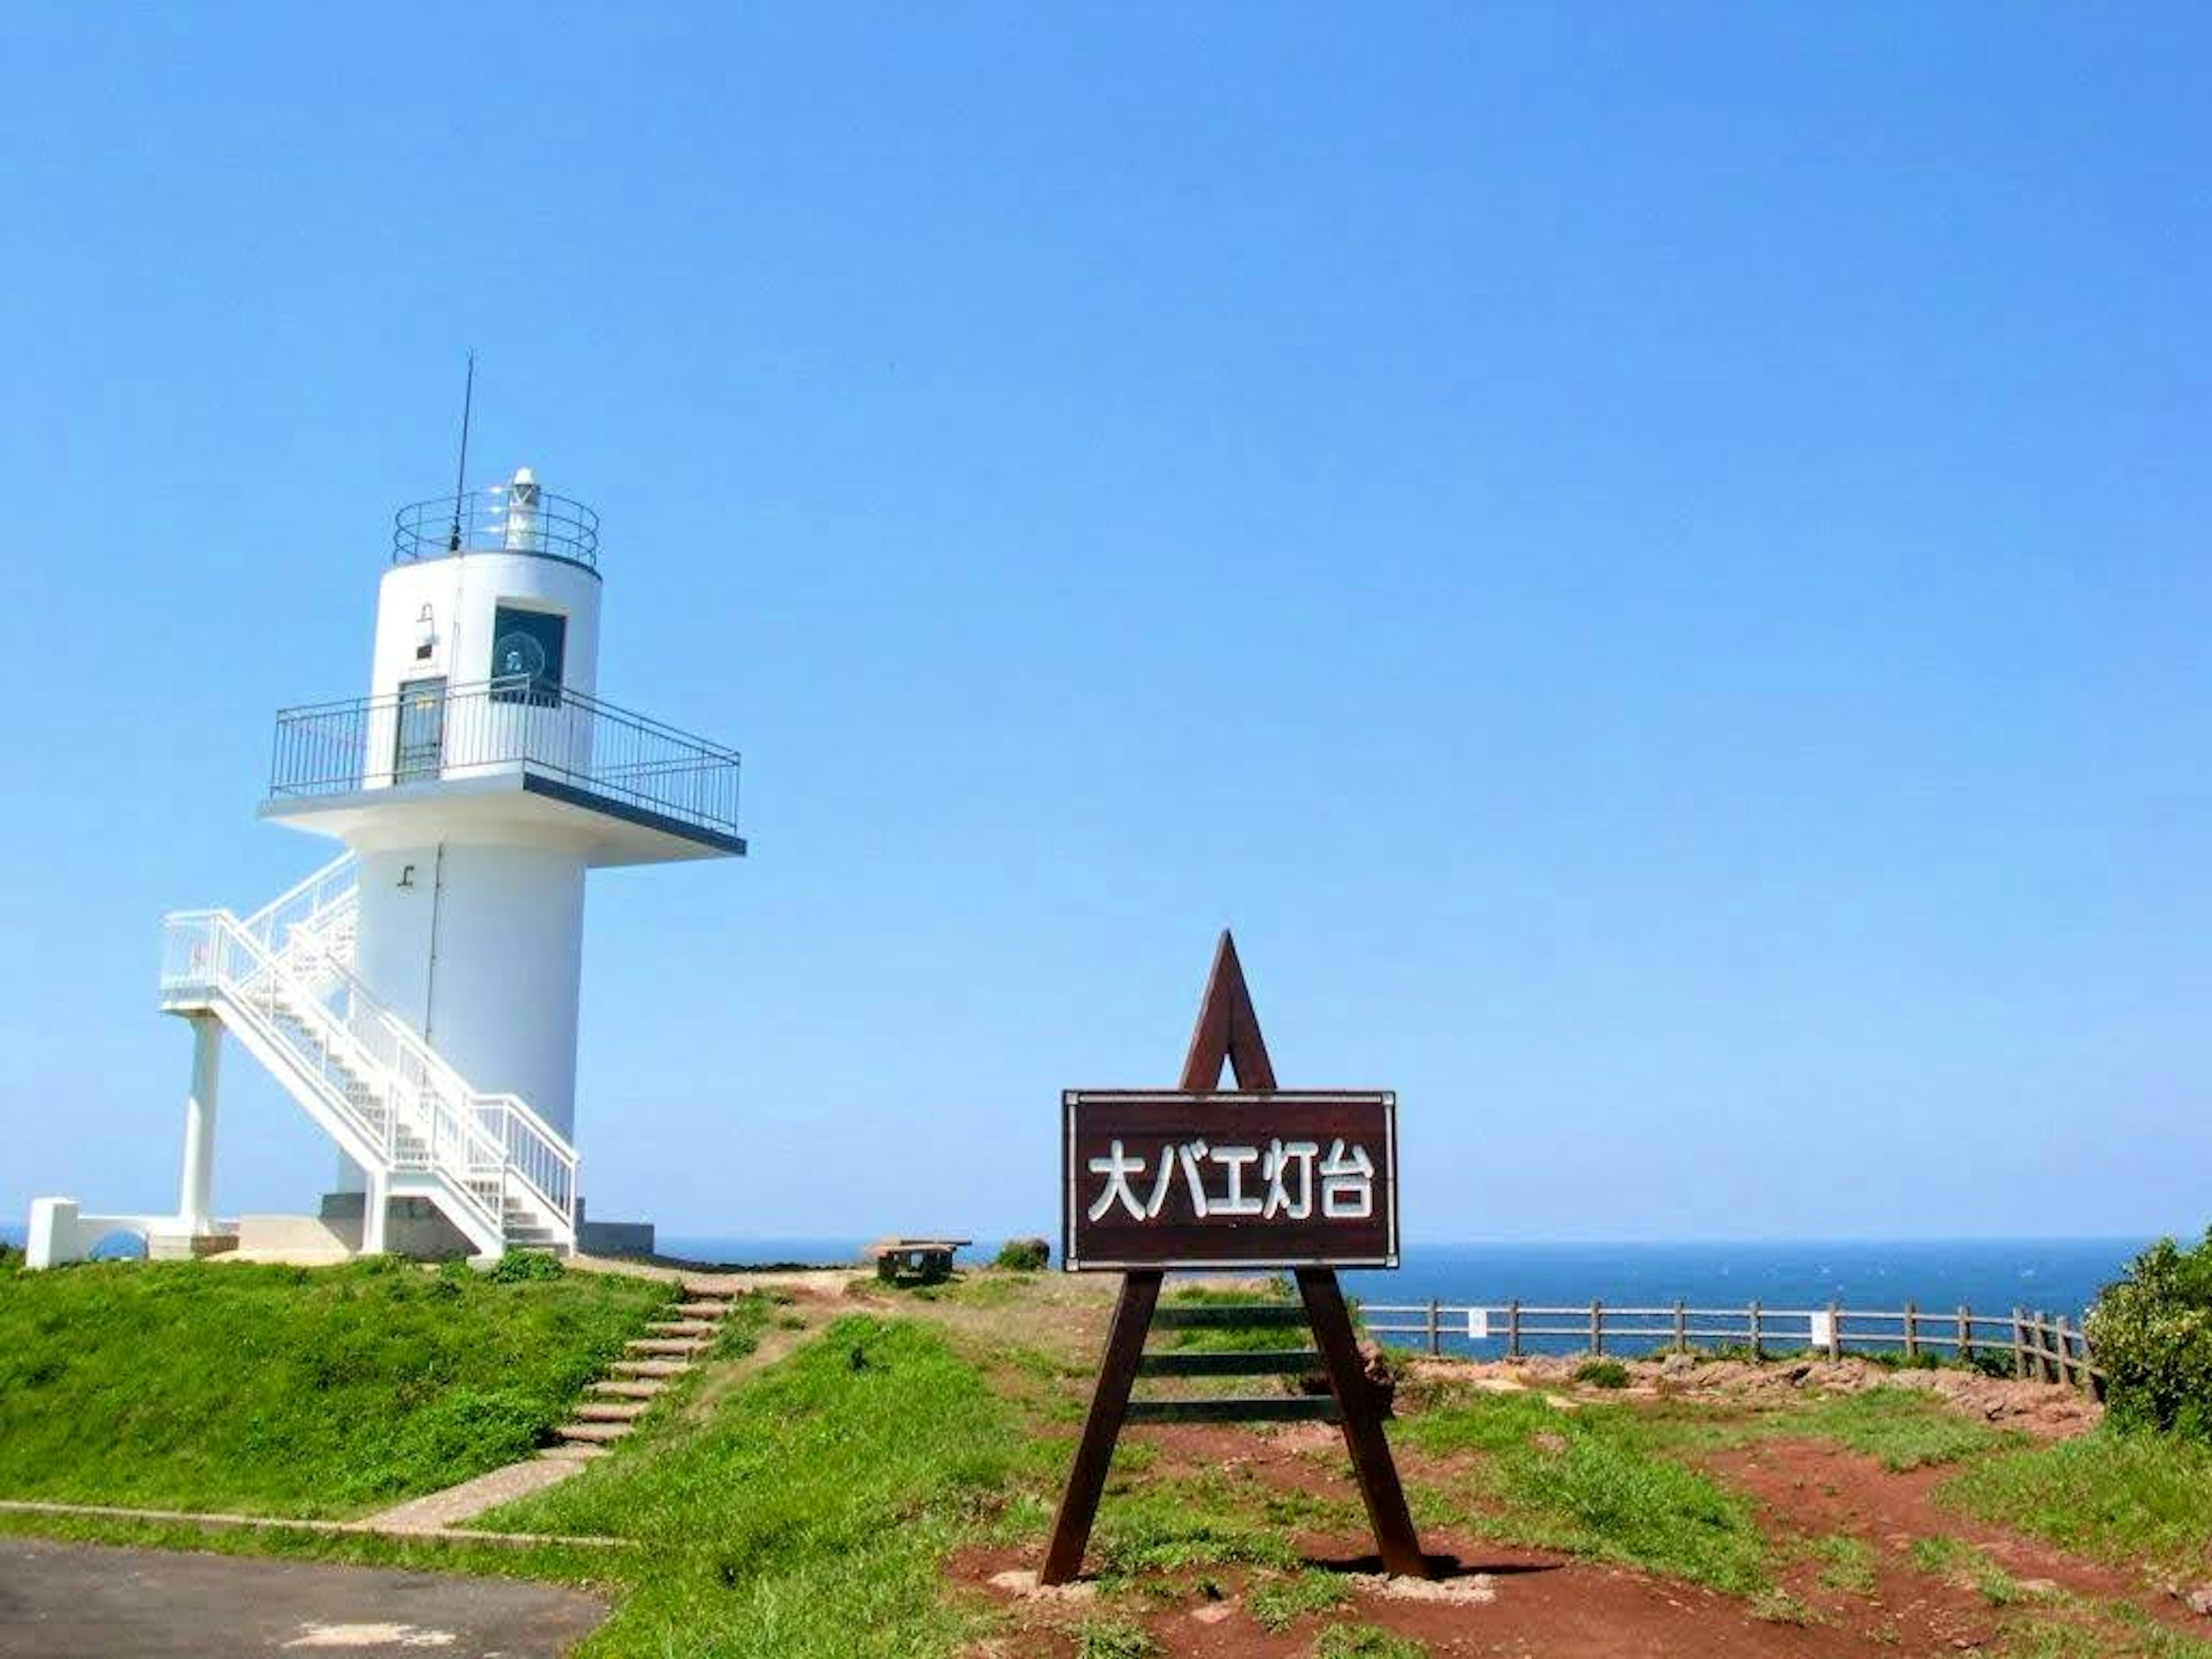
(442, 734)
(497, 520)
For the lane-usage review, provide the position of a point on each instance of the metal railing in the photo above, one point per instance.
(299, 997)
(325, 899)
(508, 724)
(502, 519)
(2047, 1345)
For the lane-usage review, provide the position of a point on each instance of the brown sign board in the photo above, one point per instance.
(1286, 1178)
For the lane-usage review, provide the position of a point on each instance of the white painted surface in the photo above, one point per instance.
(196, 1184)
(462, 592)
(484, 951)
(59, 1231)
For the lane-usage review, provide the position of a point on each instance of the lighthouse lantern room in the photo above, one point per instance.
(417, 996)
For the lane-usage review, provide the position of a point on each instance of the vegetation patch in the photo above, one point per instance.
(809, 1515)
(1365, 1642)
(320, 1392)
(1847, 1563)
(2152, 1335)
(1905, 1428)
(1024, 1255)
(1277, 1603)
(1113, 1638)
(2121, 1498)
(1602, 1373)
(1593, 1482)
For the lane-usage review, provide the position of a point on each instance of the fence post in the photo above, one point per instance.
(1513, 1328)
(1597, 1328)
(1435, 1336)
(2065, 1359)
(1756, 1351)
(2039, 1325)
(2018, 1350)
(1835, 1330)
(1911, 1331)
(1966, 1334)
(1682, 1327)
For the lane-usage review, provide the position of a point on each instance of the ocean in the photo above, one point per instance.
(2055, 1275)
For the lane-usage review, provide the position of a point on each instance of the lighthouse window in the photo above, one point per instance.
(526, 648)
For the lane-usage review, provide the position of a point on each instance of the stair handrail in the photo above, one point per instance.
(449, 1114)
(531, 1148)
(343, 869)
(224, 928)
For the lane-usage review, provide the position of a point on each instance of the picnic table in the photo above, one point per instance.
(923, 1258)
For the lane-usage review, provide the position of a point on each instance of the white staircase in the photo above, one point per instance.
(282, 981)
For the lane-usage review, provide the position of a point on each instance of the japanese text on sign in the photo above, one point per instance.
(1229, 1179)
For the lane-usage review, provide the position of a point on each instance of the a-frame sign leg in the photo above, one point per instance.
(1371, 1463)
(1102, 1427)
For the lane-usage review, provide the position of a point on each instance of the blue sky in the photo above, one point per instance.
(1650, 563)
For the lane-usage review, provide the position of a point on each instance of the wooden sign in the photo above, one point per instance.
(1285, 1179)
(1169, 1178)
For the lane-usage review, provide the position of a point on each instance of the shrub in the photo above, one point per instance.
(1024, 1255)
(2152, 1333)
(525, 1267)
(1603, 1373)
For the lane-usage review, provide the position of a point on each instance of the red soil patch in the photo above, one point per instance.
(1548, 1606)
(1812, 1489)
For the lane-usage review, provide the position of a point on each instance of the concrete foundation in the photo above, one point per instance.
(413, 1227)
(612, 1238)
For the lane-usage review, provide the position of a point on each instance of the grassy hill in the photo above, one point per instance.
(859, 1467)
(285, 1390)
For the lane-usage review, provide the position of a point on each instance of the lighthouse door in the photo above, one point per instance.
(421, 741)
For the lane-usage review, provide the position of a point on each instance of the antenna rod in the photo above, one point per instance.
(461, 477)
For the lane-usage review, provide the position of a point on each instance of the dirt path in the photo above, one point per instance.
(1514, 1603)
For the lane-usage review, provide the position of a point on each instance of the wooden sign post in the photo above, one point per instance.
(1258, 1178)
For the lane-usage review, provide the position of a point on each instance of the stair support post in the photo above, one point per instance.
(375, 1200)
(195, 1181)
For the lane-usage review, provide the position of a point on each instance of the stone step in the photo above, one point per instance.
(592, 1434)
(707, 1293)
(642, 1388)
(650, 1367)
(573, 1451)
(609, 1411)
(664, 1345)
(701, 1310)
(681, 1328)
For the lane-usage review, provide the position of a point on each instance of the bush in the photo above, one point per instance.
(2152, 1333)
(525, 1267)
(1024, 1255)
(1603, 1373)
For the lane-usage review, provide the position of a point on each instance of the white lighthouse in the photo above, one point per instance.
(418, 995)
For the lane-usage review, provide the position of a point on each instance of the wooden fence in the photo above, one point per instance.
(2045, 1346)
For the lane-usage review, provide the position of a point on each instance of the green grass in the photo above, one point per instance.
(1905, 1428)
(286, 1391)
(1594, 1482)
(810, 1514)
(2127, 1498)
(1214, 1520)
(1847, 1563)
(1279, 1603)
(1232, 1339)
(1946, 1557)
(1113, 1638)
(1365, 1642)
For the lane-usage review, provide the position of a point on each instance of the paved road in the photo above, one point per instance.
(91, 1601)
